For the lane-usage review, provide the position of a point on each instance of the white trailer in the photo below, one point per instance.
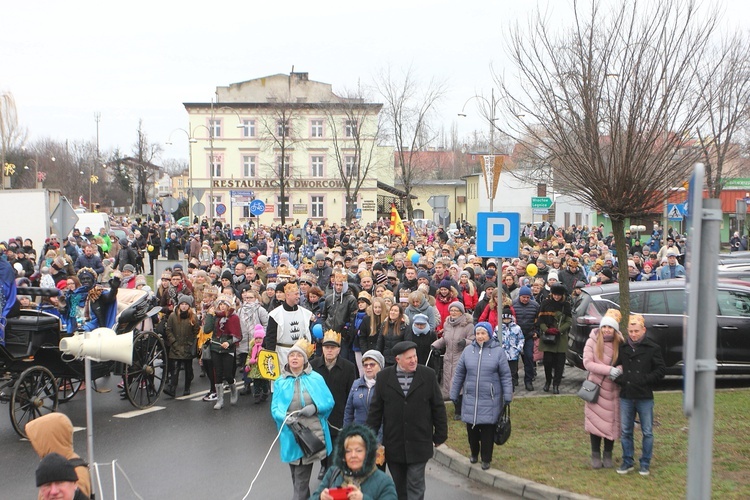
(26, 213)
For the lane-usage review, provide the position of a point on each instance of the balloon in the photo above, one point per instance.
(415, 258)
(317, 331)
(410, 254)
(150, 248)
(531, 270)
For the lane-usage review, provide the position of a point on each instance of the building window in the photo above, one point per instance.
(282, 128)
(215, 166)
(316, 166)
(216, 202)
(316, 128)
(351, 168)
(248, 166)
(179, 183)
(214, 127)
(350, 128)
(248, 128)
(282, 204)
(316, 202)
(287, 166)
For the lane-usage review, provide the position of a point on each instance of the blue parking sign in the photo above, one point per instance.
(498, 234)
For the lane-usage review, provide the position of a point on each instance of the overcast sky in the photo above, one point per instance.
(64, 61)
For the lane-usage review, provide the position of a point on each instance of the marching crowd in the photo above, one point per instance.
(373, 332)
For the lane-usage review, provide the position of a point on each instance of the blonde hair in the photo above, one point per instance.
(376, 321)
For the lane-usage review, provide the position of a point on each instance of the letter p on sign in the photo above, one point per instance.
(498, 234)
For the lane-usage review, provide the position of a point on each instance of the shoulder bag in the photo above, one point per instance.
(502, 429)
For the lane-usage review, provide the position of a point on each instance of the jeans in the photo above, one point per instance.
(645, 410)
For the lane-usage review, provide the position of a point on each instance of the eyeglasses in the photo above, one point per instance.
(369, 365)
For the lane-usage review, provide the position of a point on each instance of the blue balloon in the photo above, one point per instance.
(415, 258)
(317, 331)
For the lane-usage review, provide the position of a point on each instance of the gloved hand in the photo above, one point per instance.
(553, 331)
(461, 342)
(614, 372)
(309, 410)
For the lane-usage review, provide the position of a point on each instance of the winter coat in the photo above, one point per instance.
(182, 335)
(489, 314)
(374, 483)
(512, 340)
(470, 300)
(526, 316)
(338, 311)
(386, 342)
(558, 315)
(424, 343)
(339, 380)
(358, 402)
(443, 306)
(412, 423)
(53, 433)
(250, 315)
(456, 335)
(426, 309)
(642, 367)
(484, 377)
(603, 417)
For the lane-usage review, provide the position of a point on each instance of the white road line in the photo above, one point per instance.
(138, 413)
(77, 429)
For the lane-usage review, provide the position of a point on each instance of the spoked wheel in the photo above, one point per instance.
(34, 395)
(68, 387)
(145, 378)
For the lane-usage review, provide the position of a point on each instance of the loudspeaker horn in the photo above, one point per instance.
(102, 344)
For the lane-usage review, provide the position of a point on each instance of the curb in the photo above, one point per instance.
(500, 480)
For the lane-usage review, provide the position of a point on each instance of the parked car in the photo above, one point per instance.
(662, 303)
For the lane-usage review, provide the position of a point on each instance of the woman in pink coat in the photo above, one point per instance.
(458, 332)
(600, 359)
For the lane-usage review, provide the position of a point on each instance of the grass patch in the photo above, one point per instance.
(549, 445)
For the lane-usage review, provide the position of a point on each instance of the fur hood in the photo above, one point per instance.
(339, 458)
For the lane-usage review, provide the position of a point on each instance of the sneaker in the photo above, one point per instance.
(624, 469)
(210, 397)
(644, 471)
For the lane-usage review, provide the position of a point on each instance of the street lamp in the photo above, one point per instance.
(489, 159)
(637, 230)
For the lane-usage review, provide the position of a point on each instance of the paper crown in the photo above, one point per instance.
(339, 278)
(227, 299)
(291, 288)
(305, 345)
(332, 336)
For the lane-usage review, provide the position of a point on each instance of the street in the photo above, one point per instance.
(184, 448)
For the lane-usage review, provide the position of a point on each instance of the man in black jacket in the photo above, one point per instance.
(409, 405)
(642, 366)
(339, 375)
(527, 309)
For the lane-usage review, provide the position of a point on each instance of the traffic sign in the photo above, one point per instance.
(257, 207)
(199, 209)
(673, 212)
(541, 202)
(198, 193)
(498, 234)
(221, 209)
(64, 218)
(540, 211)
(358, 213)
(170, 204)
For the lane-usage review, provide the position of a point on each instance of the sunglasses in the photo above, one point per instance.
(369, 365)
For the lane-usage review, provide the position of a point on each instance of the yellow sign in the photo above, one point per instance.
(268, 364)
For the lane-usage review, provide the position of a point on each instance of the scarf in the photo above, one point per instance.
(633, 344)
(256, 350)
(369, 382)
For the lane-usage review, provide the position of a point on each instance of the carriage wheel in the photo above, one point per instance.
(145, 378)
(68, 387)
(34, 395)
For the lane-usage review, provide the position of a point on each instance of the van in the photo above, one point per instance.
(95, 221)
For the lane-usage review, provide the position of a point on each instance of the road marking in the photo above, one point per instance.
(138, 413)
(77, 429)
(198, 396)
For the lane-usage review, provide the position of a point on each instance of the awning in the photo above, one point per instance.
(394, 191)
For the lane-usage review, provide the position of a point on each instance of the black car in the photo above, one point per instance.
(662, 304)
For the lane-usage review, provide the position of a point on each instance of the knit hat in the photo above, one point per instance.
(558, 289)
(185, 299)
(607, 272)
(458, 306)
(485, 325)
(507, 314)
(489, 273)
(423, 275)
(445, 284)
(609, 321)
(129, 268)
(553, 276)
(524, 290)
(420, 318)
(489, 285)
(55, 468)
(227, 274)
(260, 332)
(375, 355)
(304, 347)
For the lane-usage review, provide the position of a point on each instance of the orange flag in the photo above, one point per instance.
(397, 225)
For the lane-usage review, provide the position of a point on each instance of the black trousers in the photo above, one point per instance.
(224, 367)
(174, 370)
(554, 364)
(481, 440)
(596, 444)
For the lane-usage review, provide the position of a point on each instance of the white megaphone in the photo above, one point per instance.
(102, 344)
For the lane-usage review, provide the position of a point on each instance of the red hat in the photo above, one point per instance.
(61, 285)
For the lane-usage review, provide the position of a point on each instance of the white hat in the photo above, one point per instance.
(609, 321)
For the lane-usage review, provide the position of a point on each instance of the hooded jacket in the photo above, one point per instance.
(53, 433)
(374, 483)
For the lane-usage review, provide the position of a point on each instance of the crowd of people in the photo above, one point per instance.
(356, 317)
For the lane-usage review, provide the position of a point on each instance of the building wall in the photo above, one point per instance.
(247, 153)
(454, 190)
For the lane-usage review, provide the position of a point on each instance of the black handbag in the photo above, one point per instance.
(306, 439)
(549, 339)
(502, 429)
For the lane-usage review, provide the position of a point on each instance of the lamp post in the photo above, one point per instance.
(489, 159)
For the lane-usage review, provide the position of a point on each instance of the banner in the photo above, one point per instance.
(397, 225)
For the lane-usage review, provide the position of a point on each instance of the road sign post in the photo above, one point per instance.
(498, 234)
(64, 218)
(541, 202)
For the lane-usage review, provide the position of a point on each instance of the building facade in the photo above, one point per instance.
(291, 143)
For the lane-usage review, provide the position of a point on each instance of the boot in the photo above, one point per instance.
(607, 461)
(457, 408)
(219, 397)
(186, 392)
(555, 389)
(245, 391)
(234, 394)
(596, 460)
(546, 386)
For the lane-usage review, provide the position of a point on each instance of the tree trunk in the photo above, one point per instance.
(618, 228)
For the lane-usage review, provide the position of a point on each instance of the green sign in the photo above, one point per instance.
(737, 183)
(541, 202)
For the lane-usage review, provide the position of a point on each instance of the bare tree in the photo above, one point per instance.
(725, 94)
(355, 128)
(408, 109)
(144, 170)
(609, 104)
(11, 135)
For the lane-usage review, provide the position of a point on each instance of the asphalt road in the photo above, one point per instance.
(185, 449)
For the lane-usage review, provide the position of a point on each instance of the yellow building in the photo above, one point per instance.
(180, 185)
(441, 201)
(291, 143)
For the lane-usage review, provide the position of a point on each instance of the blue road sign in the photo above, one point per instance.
(257, 207)
(221, 209)
(498, 234)
(674, 212)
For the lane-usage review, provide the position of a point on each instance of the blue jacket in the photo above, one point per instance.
(358, 403)
(526, 316)
(484, 375)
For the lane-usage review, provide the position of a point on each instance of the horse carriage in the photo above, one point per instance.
(36, 375)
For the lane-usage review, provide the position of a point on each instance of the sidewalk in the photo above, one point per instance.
(525, 488)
